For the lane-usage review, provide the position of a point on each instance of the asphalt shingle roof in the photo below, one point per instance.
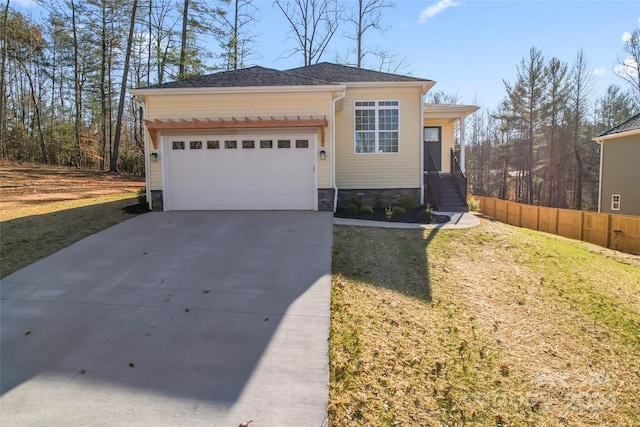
(630, 124)
(246, 77)
(312, 75)
(345, 74)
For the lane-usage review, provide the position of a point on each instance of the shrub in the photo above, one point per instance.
(142, 196)
(355, 200)
(388, 212)
(407, 202)
(352, 209)
(366, 210)
(473, 203)
(428, 213)
(397, 210)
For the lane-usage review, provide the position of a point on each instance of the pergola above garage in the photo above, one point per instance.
(235, 123)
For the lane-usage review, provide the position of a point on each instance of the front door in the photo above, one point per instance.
(433, 146)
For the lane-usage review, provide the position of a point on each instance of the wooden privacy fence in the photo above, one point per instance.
(620, 232)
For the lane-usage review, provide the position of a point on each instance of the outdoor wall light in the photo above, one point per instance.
(155, 156)
(323, 154)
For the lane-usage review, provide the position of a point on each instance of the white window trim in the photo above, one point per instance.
(376, 107)
(613, 202)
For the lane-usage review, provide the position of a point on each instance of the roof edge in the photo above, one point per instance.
(238, 89)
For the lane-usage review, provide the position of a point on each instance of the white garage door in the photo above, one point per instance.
(247, 171)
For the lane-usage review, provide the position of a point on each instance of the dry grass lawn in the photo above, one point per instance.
(490, 326)
(31, 232)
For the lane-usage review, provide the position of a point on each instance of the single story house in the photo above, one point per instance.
(308, 138)
(619, 168)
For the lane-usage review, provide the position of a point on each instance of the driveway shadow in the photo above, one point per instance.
(227, 309)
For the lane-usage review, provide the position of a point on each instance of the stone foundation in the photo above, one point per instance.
(377, 198)
(325, 199)
(157, 200)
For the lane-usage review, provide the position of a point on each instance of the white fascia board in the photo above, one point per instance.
(425, 85)
(602, 139)
(247, 89)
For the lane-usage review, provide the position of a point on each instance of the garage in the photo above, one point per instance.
(248, 169)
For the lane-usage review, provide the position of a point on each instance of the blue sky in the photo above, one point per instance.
(469, 47)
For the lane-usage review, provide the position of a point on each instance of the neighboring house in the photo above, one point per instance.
(304, 139)
(620, 168)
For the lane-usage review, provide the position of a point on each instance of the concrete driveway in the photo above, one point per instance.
(175, 318)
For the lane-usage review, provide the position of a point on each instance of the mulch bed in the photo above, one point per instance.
(415, 215)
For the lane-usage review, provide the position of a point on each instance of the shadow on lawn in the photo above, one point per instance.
(388, 258)
(26, 240)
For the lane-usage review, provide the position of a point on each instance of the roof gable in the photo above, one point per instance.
(628, 125)
(245, 77)
(346, 74)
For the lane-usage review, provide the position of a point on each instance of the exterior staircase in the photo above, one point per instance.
(451, 198)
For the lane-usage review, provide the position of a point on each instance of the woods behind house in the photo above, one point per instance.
(63, 97)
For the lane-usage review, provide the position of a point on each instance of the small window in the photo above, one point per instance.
(213, 145)
(615, 202)
(195, 145)
(284, 143)
(266, 143)
(248, 144)
(178, 145)
(432, 134)
(302, 143)
(231, 145)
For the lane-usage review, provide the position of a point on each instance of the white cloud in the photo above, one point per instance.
(628, 68)
(599, 71)
(433, 10)
(626, 36)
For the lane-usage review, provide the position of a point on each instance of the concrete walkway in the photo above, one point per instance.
(173, 319)
(459, 220)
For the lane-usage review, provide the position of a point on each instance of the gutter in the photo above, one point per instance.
(333, 147)
(425, 89)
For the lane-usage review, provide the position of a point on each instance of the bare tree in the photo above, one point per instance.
(389, 62)
(525, 100)
(183, 43)
(367, 16)
(313, 22)
(555, 106)
(113, 167)
(629, 68)
(581, 86)
(236, 40)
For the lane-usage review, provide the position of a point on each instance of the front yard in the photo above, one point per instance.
(493, 325)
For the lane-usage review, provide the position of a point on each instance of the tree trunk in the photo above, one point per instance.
(76, 87)
(183, 46)
(123, 90)
(3, 66)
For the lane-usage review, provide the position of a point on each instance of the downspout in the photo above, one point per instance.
(599, 141)
(146, 154)
(333, 148)
(425, 89)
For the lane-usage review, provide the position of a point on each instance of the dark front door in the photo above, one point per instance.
(433, 146)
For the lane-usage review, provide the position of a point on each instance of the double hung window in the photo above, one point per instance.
(376, 126)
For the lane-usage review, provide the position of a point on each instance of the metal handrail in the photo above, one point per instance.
(433, 180)
(458, 176)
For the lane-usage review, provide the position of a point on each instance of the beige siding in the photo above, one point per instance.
(392, 170)
(240, 105)
(620, 174)
(448, 140)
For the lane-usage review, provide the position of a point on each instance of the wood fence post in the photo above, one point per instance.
(557, 219)
(519, 215)
(608, 230)
(537, 218)
(582, 225)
